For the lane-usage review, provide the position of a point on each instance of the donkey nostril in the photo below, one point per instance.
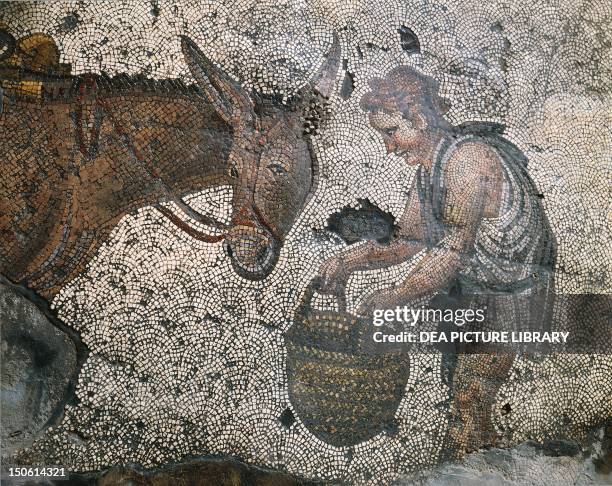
(262, 253)
(250, 248)
(228, 249)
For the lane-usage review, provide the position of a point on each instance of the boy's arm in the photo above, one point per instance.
(366, 256)
(371, 255)
(440, 263)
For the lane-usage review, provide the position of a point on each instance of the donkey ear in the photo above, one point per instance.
(323, 81)
(229, 99)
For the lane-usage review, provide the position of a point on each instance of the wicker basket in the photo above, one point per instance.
(343, 394)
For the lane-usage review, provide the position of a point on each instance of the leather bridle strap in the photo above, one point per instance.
(251, 210)
(198, 235)
(167, 213)
(87, 88)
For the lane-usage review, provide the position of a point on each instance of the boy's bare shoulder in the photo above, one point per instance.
(471, 161)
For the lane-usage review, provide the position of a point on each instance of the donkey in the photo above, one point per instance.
(80, 152)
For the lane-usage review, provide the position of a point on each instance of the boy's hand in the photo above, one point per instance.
(384, 299)
(333, 275)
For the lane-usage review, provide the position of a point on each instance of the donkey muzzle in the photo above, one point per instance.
(253, 251)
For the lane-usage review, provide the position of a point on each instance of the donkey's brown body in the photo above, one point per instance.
(74, 164)
(80, 152)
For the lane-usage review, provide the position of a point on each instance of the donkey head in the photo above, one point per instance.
(271, 165)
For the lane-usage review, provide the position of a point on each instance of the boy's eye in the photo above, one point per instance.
(390, 131)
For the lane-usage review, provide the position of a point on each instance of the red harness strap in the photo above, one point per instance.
(95, 109)
(88, 116)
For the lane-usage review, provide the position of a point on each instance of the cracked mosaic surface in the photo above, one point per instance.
(187, 358)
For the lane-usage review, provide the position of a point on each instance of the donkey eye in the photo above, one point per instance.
(277, 168)
(233, 171)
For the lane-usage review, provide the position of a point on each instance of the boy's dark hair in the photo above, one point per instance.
(402, 88)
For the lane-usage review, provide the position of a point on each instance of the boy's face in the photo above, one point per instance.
(403, 134)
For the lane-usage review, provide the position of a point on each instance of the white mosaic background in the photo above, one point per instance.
(155, 303)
